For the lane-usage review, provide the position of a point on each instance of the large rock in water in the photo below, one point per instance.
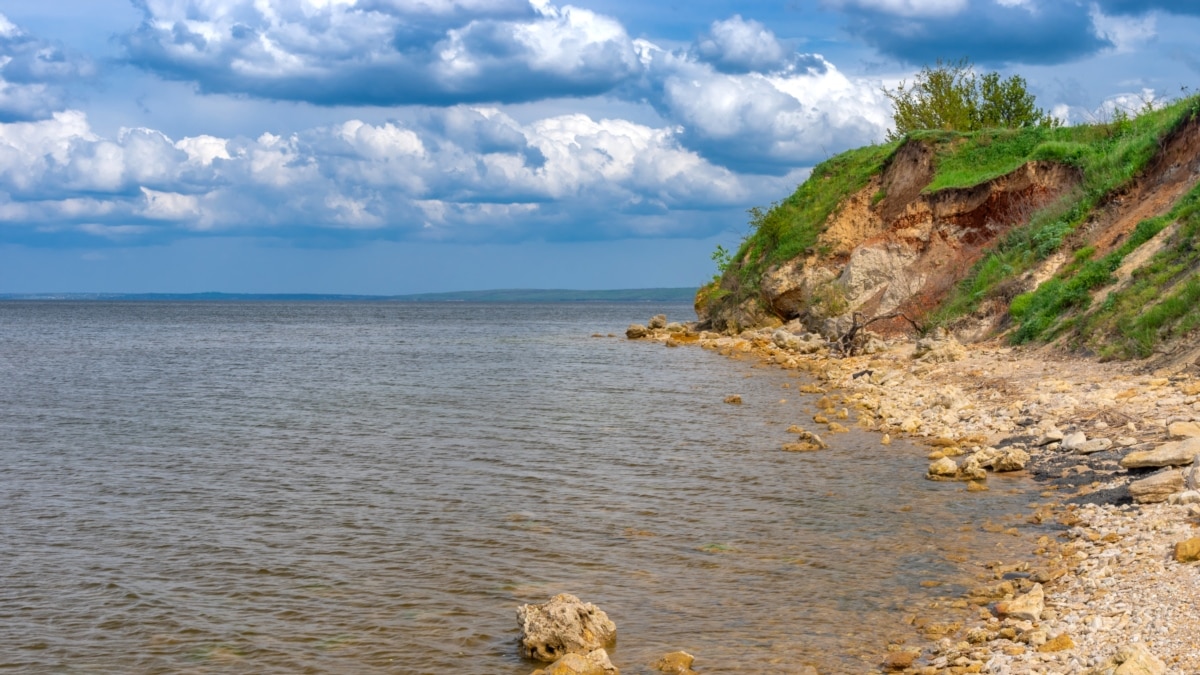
(564, 625)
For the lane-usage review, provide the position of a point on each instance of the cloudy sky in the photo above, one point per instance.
(397, 146)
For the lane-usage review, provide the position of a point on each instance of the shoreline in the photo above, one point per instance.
(1113, 590)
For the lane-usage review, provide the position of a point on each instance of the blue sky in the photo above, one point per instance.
(396, 146)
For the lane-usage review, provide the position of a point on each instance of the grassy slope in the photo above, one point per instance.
(1108, 156)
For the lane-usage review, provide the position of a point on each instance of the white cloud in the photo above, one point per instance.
(741, 45)
(1126, 33)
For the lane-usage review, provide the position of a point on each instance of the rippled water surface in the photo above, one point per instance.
(375, 487)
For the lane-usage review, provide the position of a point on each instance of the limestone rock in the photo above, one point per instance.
(1174, 453)
(563, 625)
(1134, 659)
(1011, 459)
(1188, 551)
(658, 321)
(1057, 643)
(940, 348)
(1071, 442)
(1157, 487)
(801, 344)
(1180, 430)
(675, 662)
(943, 468)
(1185, 498)
(1050, 436)
(1028, 607)
(595, 662)
(1192, 482)
(1094, 445)
(970, 469)
(733, 399)
(636, 331)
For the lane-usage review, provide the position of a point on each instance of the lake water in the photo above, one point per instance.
(375, 487)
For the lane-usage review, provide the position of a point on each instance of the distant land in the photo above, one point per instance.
(499, 295)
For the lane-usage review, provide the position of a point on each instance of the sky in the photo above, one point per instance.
(409, 146)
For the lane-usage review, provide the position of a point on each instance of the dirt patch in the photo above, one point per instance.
(1168, 177)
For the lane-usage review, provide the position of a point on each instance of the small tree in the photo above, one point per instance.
(952, 97)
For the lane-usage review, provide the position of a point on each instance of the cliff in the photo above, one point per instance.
(1084, 235)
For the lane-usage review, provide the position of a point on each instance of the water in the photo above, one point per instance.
(375, 487)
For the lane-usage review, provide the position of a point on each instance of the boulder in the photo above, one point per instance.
(943, 468)
(1192, 481)
(658, 321)
(1028, 607)
(733, 399)
(1174, 453)
(636, 331)
(1157, 487)
(1012, 459)
(1181, 430)
(900, 660)
(1134, 659)
(939, 348)
(563, 625)
(595, 662)
(807, 343)
(1093, 446)
(679, 663)
(1188, 550)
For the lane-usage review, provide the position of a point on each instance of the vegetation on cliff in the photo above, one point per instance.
(1107, 261)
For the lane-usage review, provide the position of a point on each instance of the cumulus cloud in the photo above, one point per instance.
(563, 177)
(738, 45)
(32, 72)
(765, 122)
(1187, 7)
(383, 52)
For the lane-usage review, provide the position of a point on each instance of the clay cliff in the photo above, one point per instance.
(1041, 234)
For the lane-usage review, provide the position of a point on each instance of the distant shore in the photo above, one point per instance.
(1112, 587)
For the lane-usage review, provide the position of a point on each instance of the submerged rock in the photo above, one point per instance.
(636, 331)
(595, 662)
(563, 625)
(679, 663)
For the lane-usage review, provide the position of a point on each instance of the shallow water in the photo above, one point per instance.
(375, 487)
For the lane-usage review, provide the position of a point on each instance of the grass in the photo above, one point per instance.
(1108, 157)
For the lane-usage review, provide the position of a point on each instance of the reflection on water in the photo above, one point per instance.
(375, 487)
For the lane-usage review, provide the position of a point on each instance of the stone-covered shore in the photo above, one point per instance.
(1115, 587)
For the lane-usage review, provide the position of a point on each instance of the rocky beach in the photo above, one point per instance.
(1110, 587)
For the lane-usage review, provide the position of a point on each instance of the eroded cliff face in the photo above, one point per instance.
(893, 248)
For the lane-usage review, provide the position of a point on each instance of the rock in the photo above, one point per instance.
(658, 321)
(1134, 659)
(636, 331)
(1057, 643)
(1175, 453)
(676, 327)
(970, 469)
(1011, 459)
(1192, 481)
(1188, 551)
(1185, 498)
(1028, 607)
(675, 662)
(940, 348)
(1051, 436)
(900, 660)
(1072, 441)
(802, 344)
(563, 625)
(1157, 487)
(595, 662)
(802, 446)
(1180, 430)
(733, 399)
(1094, 445)
(886, 439)
(943, 468)
(835, 428)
